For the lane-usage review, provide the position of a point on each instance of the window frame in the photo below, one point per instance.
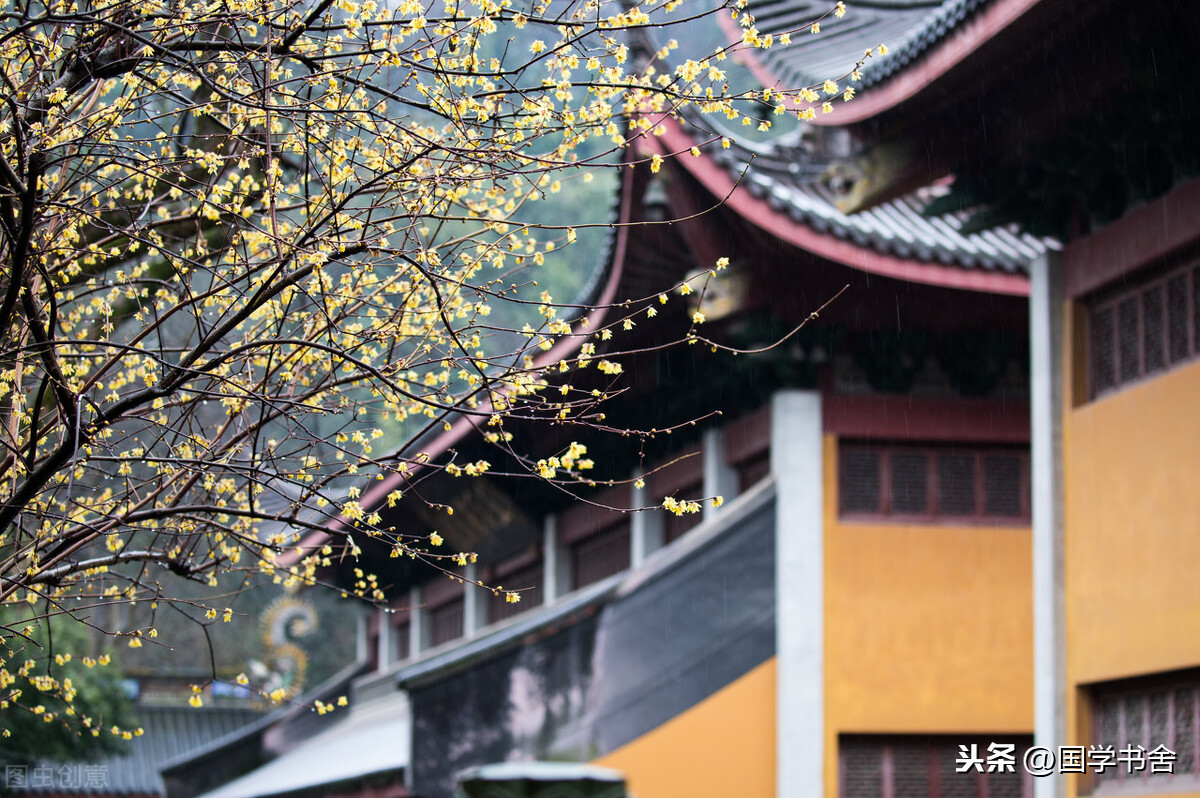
(941, 751)
(436, 597)
(614, 533)
(747, 443)
(498, 608)
(676, 526)
(1155, 282)
(1140, 690)
(933, 514)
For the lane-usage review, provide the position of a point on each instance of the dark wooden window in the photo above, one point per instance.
(1149, 712)
(931, 482)
(399, 640)
(748, 448)
(1144, 330)
(920, 766)
(529, 578)
(753, 470)
(675, 526)
(601, 554)
(446, 622)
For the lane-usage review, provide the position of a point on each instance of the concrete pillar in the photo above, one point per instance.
(474, 613)
(383, 643)
(719, 477)
(645, 528)
(1046, 335)
(557, 567)
(416, 622)
(362, 635)
(796, 464)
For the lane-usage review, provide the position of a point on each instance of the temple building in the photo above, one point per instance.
(956, 508)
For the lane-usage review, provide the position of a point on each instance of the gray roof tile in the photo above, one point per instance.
(169, 732)
(908, 27)
(897, 227)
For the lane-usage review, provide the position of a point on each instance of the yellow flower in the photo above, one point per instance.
(196, 701)
(435, 539)
(655, 163)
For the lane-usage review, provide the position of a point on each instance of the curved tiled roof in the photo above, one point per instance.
(785, 182)
(788, 176)
(897, 227)
(908, 27)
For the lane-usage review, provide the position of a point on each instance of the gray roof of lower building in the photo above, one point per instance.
(169, 731)
(371, 739)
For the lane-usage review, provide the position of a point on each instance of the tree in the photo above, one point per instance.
(249, 244)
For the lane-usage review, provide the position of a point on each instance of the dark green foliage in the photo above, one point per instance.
(99, 695)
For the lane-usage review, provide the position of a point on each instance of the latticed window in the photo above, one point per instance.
(752, 470)
(948, 482)
(675, 526)
(601, 554)
(527, 578)
(928, 767)
(400, 641)
(446, 622)
(748, 448)
(1144, 330)
(1156, 713)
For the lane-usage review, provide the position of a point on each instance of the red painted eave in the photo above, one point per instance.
(1150, 234)
(759, 212)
